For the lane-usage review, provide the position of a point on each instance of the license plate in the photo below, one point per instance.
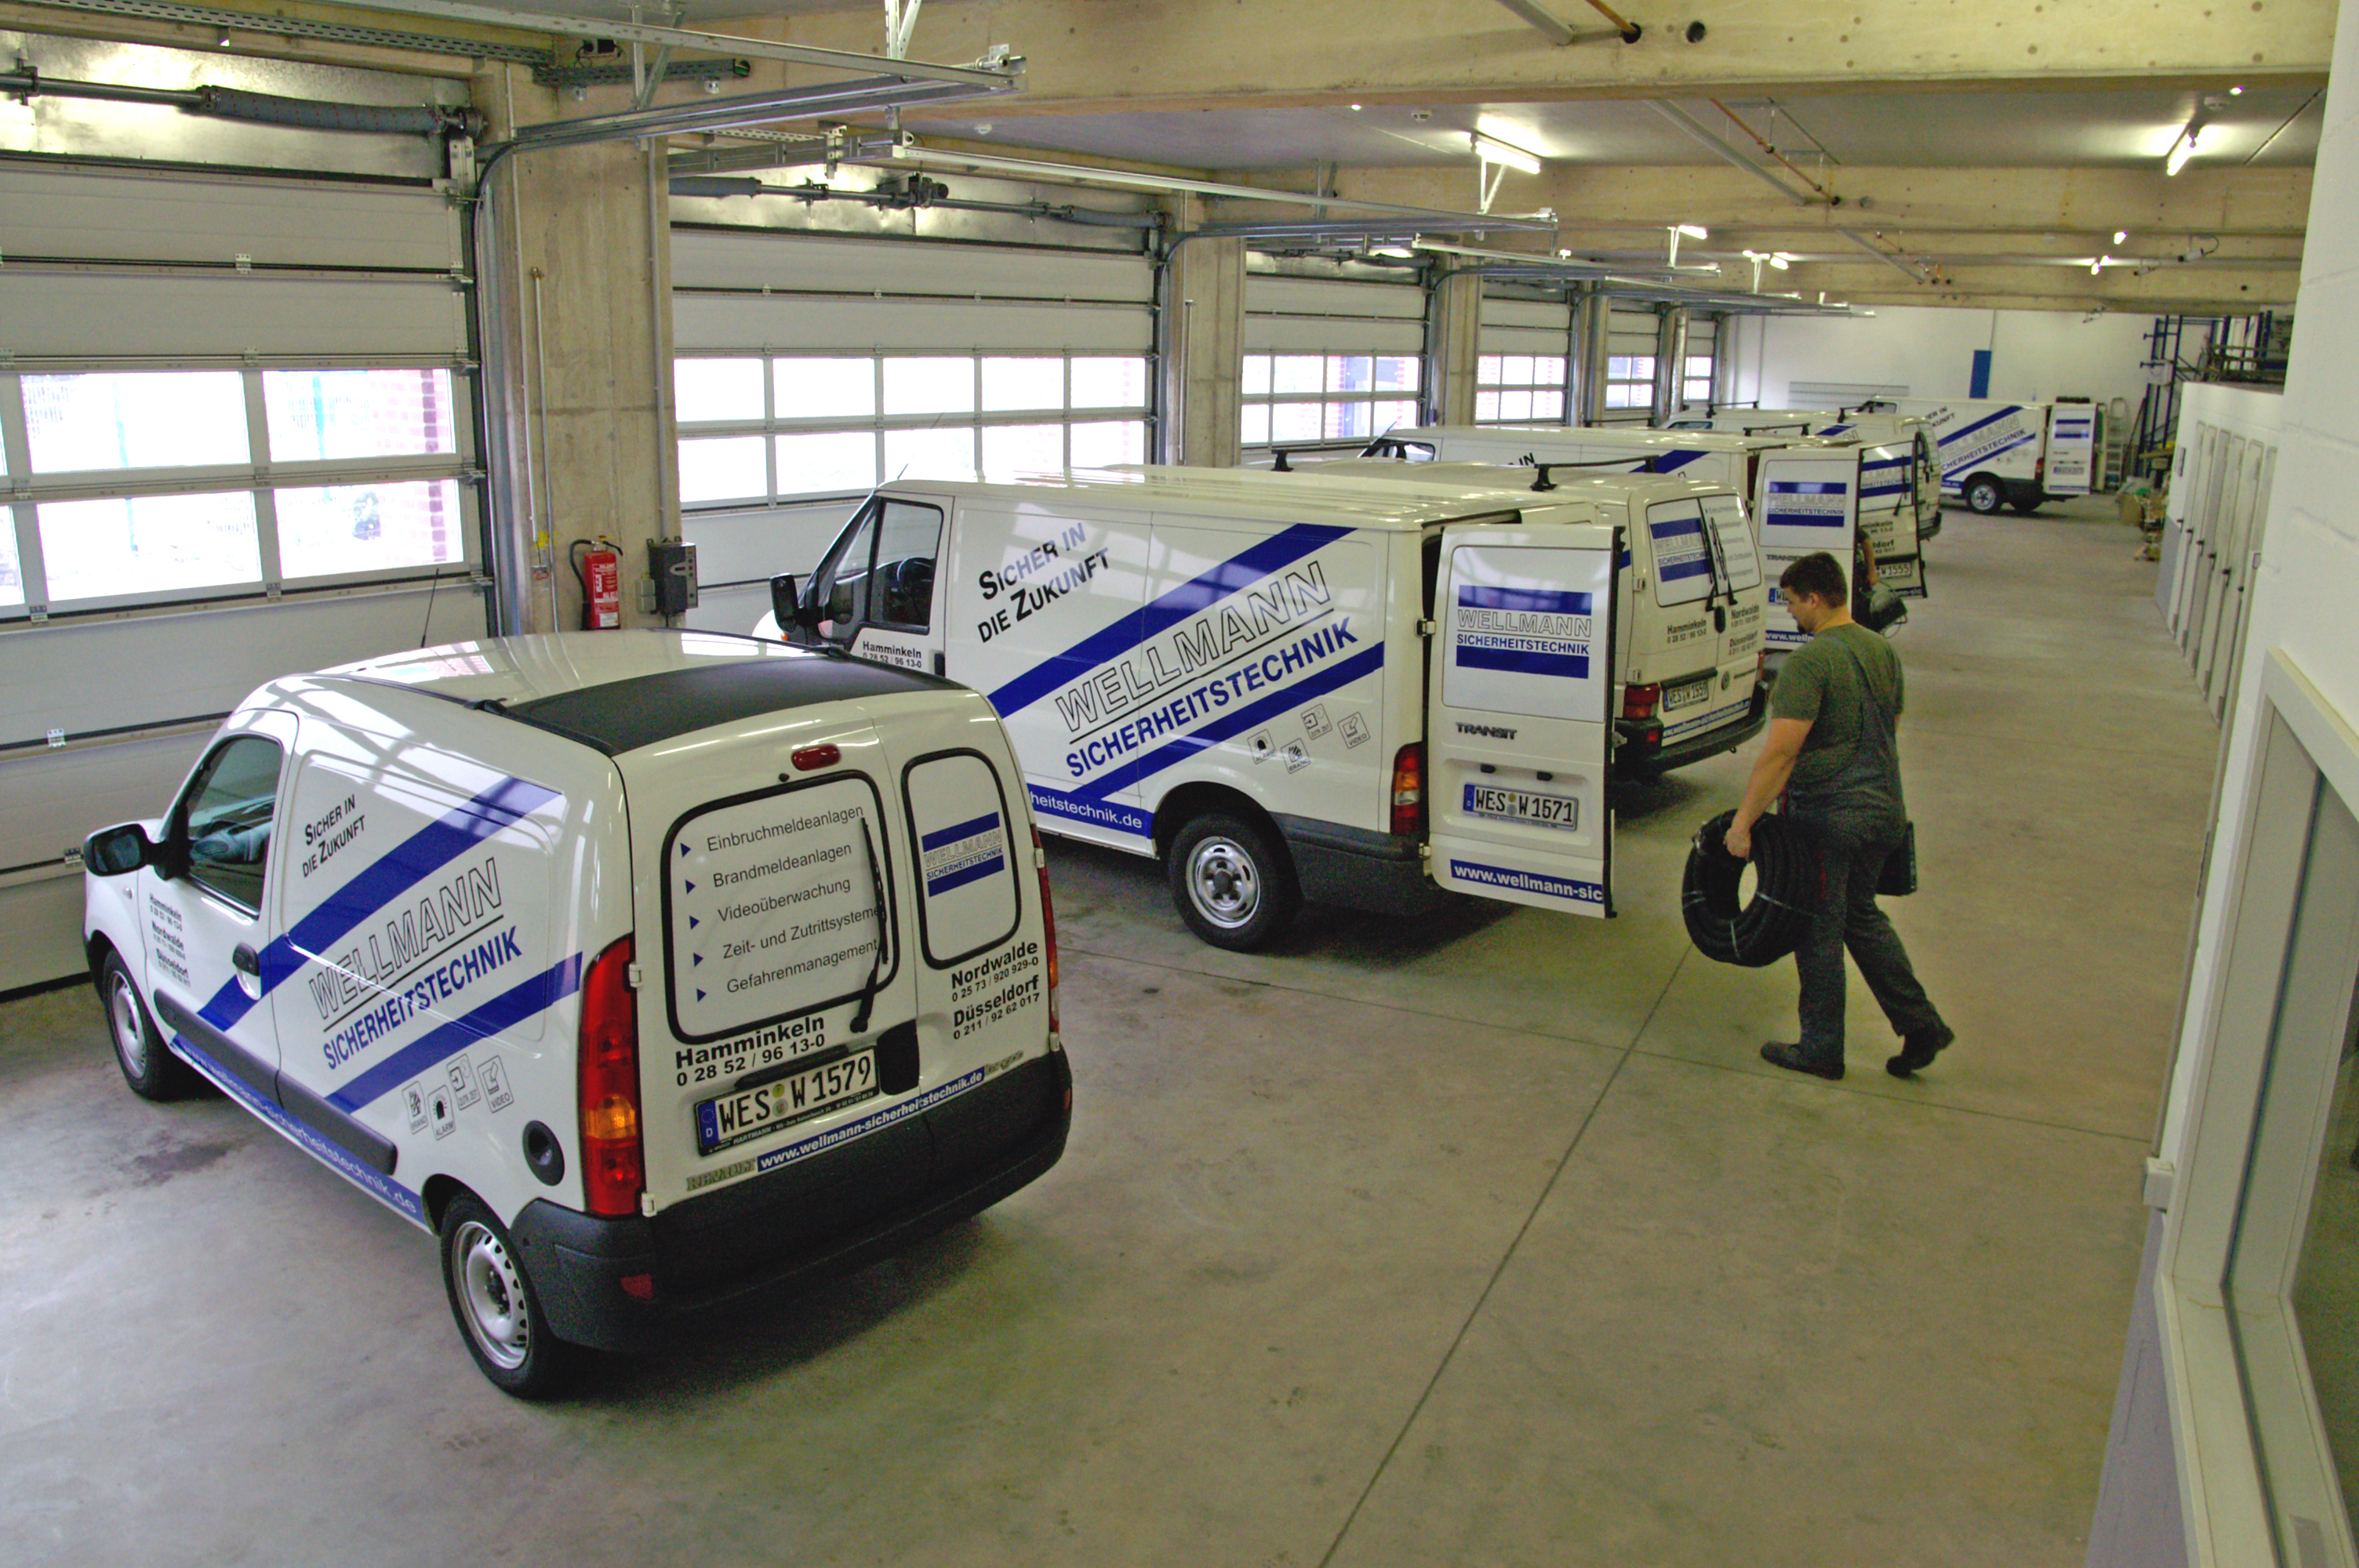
(1687, 694)
(764, 1109)
(1523, 805)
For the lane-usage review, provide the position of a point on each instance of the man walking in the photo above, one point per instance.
(1832, 751)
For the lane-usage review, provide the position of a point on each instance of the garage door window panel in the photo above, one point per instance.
(150, 545)
(733, 467)
(12, 576)
(708, 390)
(330, 416)
(369, 529)
(838, 425)
(140, 419)
(1287, 398)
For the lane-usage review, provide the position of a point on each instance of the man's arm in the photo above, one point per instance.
(1770, 772)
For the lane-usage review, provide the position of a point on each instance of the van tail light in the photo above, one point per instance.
(613, 1165)
(1409, 791)
(2039, 470)
(1048, 930)
(1640, 702)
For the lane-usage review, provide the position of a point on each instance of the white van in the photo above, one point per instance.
(1893, 482)
(1995, 453)
(1360, 696)
(1688, 648)
(651, 970)
(1809, 493)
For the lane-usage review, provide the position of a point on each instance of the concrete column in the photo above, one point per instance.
(1596, 313)
(1670, 361)
(1203, 332)
(1453, 338)
(586, 242)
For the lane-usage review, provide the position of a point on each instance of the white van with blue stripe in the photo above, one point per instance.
(1360, 696)
(1995, 453)
(655, 972)
(1809, 493)
(1688, 647)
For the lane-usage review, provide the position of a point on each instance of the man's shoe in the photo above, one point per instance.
(1918, 1050)
(1778, 1054)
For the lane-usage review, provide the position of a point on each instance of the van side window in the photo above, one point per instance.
(229, 818)
(884, 574)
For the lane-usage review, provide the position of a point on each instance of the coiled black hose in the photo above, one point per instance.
(1785, 892)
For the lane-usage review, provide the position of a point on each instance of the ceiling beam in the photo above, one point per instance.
(1132, 56)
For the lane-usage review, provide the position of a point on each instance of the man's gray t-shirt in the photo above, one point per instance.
(1822, 682)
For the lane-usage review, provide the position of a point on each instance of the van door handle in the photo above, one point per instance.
(937, 661)
(245, 961)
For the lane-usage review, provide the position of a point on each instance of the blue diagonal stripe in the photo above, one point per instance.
(511, 1006)
(1238, 572)
(1234, 721)
(1962, 431)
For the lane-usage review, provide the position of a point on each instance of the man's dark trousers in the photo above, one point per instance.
(1852, 847)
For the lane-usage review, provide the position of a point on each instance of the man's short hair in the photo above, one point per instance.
(1820, 576)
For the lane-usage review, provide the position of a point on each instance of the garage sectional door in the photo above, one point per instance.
(811, 367)
(236, 414)
(1520, 375)
(1633, 340)
(1329, 360)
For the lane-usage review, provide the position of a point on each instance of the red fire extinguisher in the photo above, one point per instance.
(600, 567)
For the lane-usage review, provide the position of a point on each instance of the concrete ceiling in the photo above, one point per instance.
(2264, 126)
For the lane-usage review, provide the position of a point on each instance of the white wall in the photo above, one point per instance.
(2035, 354)
(2302, 603)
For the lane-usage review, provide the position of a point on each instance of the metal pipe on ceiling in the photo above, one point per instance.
(861, 96)
(1561, 33)
(1880, 254)
(26, 84)
(725, 185)
(1706, 139)
(991, 74)
(909, 153)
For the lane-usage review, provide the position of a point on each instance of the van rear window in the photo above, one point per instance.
(1701, 547)
(966, 870)
(774, 906)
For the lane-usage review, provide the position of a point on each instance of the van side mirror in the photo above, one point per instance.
(786, 603)
(113, 851)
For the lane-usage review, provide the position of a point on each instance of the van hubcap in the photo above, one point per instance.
(492, 1292)
(129, 1037)
(1224, 881)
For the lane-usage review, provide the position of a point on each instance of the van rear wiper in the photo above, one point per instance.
(875, 965)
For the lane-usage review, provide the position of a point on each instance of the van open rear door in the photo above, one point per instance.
(1519, 732)
(2071, 449)
(1808, 502)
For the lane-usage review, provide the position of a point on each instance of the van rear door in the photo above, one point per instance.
(1520, 716)
(2071, 449)
(1808, 502)
(1889, 501)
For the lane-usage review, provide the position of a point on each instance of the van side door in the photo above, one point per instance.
(210, 909)
(1808, 501)
(875, 593)
(1889, 515)
(1519, 714)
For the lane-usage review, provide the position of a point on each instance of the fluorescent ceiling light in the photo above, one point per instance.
(1695, 231)
(2121, 236)
(2098, 265)
(1490, 150)
(2181, 151)
(1780, 260)
(1398, 252)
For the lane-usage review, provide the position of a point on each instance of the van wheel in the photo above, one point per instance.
(499, 1311)
(1233, 886)
(147, 1063)
(1984, 495)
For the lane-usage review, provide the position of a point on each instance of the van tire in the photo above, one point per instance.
(1984, 495)
(1232, 882)
(147, 1063)
(498, 1309)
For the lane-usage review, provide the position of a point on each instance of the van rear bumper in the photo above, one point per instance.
(1354, 867)
(1634, 758)
(735, 1250)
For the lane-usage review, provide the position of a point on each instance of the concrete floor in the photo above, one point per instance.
(1486, 1243)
